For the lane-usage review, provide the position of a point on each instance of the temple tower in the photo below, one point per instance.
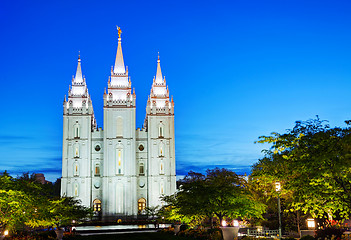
(119, 180)
(159, 122)
(78, 123)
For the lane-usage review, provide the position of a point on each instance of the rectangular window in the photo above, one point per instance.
(141, 169)
(97, 170)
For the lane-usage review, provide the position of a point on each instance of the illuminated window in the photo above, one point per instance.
(97, 170)
(141, 204)
(141, 169)
(76, 170)
(119, 127)
(76, 192)
(76, 150)
(162, 169)
(119, 160)
(162, 188)
(97, 205)
(161, 152)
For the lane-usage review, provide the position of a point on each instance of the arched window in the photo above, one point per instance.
(141, 204)
(119, 160)
(162, 190)
(141, 169)
(161, 152)
(162, 168)
(119, 127)
(97, 169)
(76, 169)
(97, 205)
(76, 131)
(161, 130)
(76, 190)
(76, 150)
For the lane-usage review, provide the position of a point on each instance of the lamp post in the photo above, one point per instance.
(277, 189)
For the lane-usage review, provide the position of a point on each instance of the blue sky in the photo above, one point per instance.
(237, 70)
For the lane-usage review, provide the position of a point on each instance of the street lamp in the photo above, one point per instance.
(277, 189)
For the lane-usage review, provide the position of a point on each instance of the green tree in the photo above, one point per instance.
(220, 193)
(26, 202)
(313, 163)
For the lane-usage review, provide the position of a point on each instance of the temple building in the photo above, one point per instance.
(118, 170)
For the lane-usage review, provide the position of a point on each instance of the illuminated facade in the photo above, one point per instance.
(118, 170)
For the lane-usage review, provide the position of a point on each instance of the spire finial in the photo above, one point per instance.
(119, 31)
(119, 63)
(78, 55)
(158, 72)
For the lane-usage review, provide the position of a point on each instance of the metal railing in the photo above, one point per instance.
(264, 233)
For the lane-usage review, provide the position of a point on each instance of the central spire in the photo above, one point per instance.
(119, 63)
(159, 79)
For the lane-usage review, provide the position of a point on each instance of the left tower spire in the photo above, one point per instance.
(78, 126)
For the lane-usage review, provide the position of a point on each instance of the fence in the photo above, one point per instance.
(264, 233)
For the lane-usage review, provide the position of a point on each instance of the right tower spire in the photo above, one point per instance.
(158, 102)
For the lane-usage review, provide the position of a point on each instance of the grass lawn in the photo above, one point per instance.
(132, 236)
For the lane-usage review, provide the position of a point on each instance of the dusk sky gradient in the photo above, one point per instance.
(237, 70)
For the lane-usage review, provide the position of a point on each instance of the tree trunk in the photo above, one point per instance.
(298, 221)
(220, 217)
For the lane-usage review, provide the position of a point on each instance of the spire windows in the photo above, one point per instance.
(162, 168)
(76, 150)
(76, 169)
(162, 187)
(119, 160)
(76, 189)
(161, 130)
(76, 130)
(161, 148)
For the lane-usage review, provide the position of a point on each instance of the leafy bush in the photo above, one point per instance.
(168, 230)
(202, 234)
(329, 232)
(307, 237)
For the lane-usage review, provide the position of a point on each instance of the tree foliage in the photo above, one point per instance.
(26, 202)
(313, 163)
(220, 193)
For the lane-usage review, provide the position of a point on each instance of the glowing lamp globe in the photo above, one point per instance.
(277, 186)
(311, 224)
